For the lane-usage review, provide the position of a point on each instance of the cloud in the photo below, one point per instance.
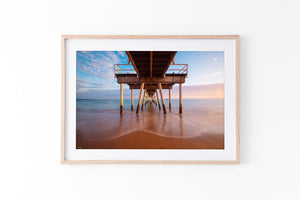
(122, 53)
(209, 91)
(80, 80)
(84, 85)
(98, 64)
(104, 94)
(210, 75)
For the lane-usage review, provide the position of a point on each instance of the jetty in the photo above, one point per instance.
(151, 72)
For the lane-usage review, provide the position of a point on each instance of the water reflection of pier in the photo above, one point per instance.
(155, 123)
(150, 72)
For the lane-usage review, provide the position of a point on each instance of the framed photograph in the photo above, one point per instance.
(168, 99)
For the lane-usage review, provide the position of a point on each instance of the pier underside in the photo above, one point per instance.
(150, 76)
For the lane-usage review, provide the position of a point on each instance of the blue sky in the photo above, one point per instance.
(204, 67)
(95, 71)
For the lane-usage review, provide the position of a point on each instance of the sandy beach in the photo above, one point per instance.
(144, 140)
(201, 126)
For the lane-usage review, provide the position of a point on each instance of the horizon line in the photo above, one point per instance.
(138, 98)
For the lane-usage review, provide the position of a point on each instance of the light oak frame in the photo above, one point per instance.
(63, 99)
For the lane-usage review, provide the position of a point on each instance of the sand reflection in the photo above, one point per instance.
(98, 126)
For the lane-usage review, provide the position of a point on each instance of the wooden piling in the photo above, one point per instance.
(170, 100)
(153, 100)
(131, 99)
(145, 91)
(157, 99)
(121, 98)
(140, 98)
(121, 125)
(146, 98)
(162, 98)
(180, 98)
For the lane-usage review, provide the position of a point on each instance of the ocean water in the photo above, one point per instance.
(98, 120)
(98, 105)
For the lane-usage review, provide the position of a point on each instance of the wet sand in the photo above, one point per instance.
(201, 128)
(144, 140)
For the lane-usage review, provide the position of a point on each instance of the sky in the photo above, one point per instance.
(95, 74)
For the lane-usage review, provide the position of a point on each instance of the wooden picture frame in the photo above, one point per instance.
(65, 55)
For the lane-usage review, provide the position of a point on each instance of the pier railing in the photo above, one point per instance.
(178, 69)
(120, 69)
(124, 69)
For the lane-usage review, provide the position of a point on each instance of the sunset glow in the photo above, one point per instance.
(95, 75)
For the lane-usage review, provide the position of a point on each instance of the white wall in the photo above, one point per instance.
(30, 99)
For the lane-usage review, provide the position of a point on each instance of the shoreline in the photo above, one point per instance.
(201, 126)
(145, 140)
